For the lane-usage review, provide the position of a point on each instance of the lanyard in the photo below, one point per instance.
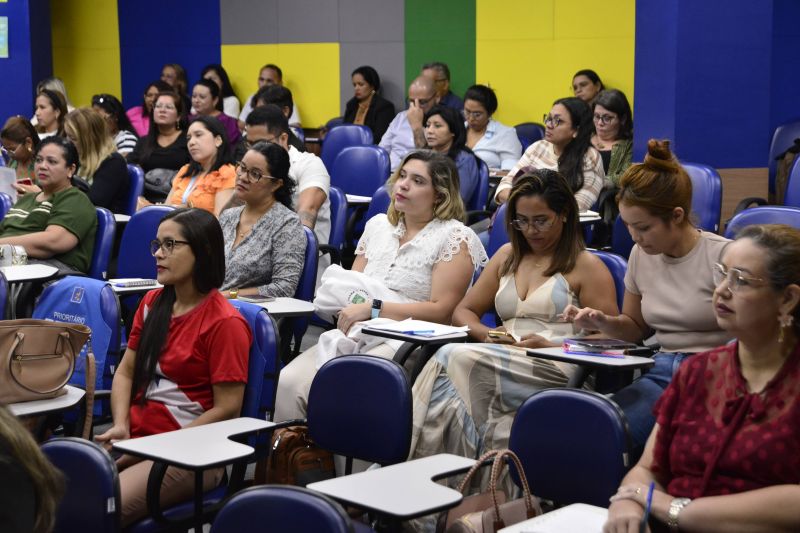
(189, 189)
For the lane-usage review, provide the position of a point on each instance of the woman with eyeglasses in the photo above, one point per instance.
(186, 360)
(723, 453)
(367, 107)
(163, 151)
(208, 180)
(264, 240)
(529, 282)
(495, 143)
(566, 147)
(668, 285)
(101, 167)
(19, 142)
(119, 126)
(613, 132)
(445, 133)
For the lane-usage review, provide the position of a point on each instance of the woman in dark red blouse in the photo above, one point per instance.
(725, 453)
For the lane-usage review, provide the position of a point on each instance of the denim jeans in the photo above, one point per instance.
(637, 399)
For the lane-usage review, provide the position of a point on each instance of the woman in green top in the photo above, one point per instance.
(56, 225)
(613, 132)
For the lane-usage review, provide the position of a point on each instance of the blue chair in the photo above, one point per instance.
(341, 137)
(380, 203)
(530, 132)
(259, 399)
(782, 139)
(283, 508)
(792, 196)
(5, 204)
(706, 195)
(3, 295)
(103, 244)
(135, 188)
(332, 123)
(355, 223)
(360, 169)
(359, 406)
(617, 265)
(91, 500)
(305, 291)
(336, 240)
(621, 241)
(498, 235)
(573, 445)
(135, 260)
(772, 214)
(480, 196)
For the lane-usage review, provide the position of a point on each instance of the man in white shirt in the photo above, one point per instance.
(268, 75)
(268, 123)
(406, 131)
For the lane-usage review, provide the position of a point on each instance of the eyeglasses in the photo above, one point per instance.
(472, 114)
(550, 120)
(539, 224)
(167, 246)
(253, 174)
(605, 119)
(168, 107)
(735, 277)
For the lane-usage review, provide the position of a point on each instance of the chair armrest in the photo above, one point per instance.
(335, 253)
(475, 216)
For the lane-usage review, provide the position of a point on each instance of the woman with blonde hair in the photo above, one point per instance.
(420, 249)
(31, 487)
(100, 165)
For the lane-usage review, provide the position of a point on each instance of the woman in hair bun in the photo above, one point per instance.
(668, 285)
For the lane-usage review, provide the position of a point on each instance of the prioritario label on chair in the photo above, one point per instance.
(421, 328)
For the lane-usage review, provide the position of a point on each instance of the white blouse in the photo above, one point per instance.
(408, 269)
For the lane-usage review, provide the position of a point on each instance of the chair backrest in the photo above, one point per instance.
(360, 406)
(573, 445)
(782, 139)
(135, 189)
(481, 195)
(621, 241)
(341, 137)
(308, 277)
(91, 500)
(530, 131)
(264, 363)
(283, 508)
(338, 202)
(792, 194)
(360, 169)
(770, 214)
(5, 204)
(103, 244)
(706, 195)
(617, 265)
(332, 123)
(3, 295)
(498, 235)
(135, 260)
(380, 203)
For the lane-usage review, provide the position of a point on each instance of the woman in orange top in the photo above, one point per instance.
(207, 182)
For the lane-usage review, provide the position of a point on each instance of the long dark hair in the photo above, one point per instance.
(111, 105)
(162, 87)
(278, 165)
(151, 140)
(227, 88)
(204, 234)
(570, 162)
(214, 89)
(217, 130)
(555, 191)
(615, 101)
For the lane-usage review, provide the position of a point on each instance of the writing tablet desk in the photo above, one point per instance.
(590, 363)
(17, 274)
(402, 491)
(428, 345)
(575, 518)
(197, 449)
(48, 405)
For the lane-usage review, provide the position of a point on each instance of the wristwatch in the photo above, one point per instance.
(376, 308)
(234, 293)
(675, 508)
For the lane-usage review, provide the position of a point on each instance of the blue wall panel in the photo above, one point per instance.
(785, 88)
(152, 33)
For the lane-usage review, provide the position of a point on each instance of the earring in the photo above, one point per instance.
(786, 322)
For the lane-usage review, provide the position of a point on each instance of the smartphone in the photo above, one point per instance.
(497, 334)
(25, 181)
(257, 299)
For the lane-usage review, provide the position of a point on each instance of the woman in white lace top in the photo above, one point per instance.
(419, 248)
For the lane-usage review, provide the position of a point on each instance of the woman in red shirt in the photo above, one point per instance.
(186, 362)
(724, 452)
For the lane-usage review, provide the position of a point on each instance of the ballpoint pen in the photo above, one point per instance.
(643, 523)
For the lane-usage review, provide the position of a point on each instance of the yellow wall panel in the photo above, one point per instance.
(86, 48)
(310, 71)
(528, 51)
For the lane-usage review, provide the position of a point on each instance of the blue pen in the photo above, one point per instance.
(643, 524)
(417, 332)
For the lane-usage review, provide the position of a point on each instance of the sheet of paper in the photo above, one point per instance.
(7, 179)
(421, 328)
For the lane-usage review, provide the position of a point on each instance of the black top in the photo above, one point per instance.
(605, 155)
(379, 115)
(111, 184)
(172, 157)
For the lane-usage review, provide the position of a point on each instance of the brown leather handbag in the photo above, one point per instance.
(37, 358)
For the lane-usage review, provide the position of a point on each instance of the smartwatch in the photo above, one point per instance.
(376, 308)
(675, 508)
